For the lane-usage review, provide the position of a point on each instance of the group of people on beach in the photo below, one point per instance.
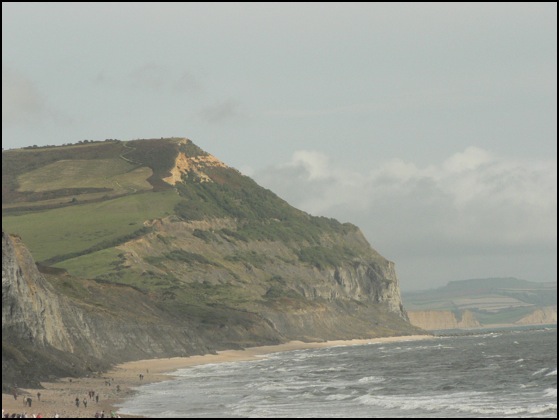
(91, 394)
(23, 415)
(27, 402)
(78, 402)
(100, 415)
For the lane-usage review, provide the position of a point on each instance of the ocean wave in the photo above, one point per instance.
(537, 372)
(475, 403)
(337, 397)
(550, 392)
(392, 380)
(371, 380)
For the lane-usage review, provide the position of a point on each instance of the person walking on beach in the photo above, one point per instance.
(77, 402)
(84, 403)
(38, 396)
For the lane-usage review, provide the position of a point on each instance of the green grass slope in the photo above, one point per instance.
(159, 241)
(61, 233)
(170, 220)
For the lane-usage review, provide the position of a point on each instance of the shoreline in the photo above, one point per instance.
(118, 384)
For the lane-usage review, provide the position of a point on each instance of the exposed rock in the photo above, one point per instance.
(30, 307)
(222, 263)
(46, 332)
(546, 315)
(185, 164)
(443, 320)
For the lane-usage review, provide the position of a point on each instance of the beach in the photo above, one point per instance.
(118, 384)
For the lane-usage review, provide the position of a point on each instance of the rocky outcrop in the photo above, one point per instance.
(30, 307)
(371, 281)
(184, 165)
(443, 320)
(546, 315)
(446, 320)
(261, 267)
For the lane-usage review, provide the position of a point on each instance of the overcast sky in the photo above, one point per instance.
(433, 127)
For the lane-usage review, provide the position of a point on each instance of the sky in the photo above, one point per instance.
(431, 126)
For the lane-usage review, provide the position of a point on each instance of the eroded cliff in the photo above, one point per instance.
(546, 315)
(443, 320)
(201, 260)
(54, 324)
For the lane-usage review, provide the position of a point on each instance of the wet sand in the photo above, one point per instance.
(117, 384)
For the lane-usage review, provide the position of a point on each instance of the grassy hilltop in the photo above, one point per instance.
(155, 248)
(74, 205)
(167, 218)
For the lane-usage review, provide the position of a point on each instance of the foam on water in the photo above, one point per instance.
(442, 377)
(551, 392)
(371, 379)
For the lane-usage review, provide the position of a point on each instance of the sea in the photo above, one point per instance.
(483, 373)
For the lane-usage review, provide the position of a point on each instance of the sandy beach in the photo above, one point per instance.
(117, 384)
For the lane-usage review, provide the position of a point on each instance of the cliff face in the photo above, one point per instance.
(446, 320)
(49, 329)
(489, 302)
(155, 248)
(546, 315)
(30, 307)
(268, 269)
(47, 334)
(443, 320)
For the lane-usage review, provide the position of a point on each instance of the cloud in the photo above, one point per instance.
(22, 103)
(472, 202)
(220, 112)
(316, 165)
(188, 83)
(151, 77)
(470, 159)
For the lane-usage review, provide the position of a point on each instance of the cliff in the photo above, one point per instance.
(48, 334)
(483, 303)
(52, 331)
(443, 320)
(155, 249)
(545, 315)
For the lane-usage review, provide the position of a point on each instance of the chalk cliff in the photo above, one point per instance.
(490, 302)
(443, 320)
(546, 315)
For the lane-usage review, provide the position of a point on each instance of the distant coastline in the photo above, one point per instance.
(490, 328)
